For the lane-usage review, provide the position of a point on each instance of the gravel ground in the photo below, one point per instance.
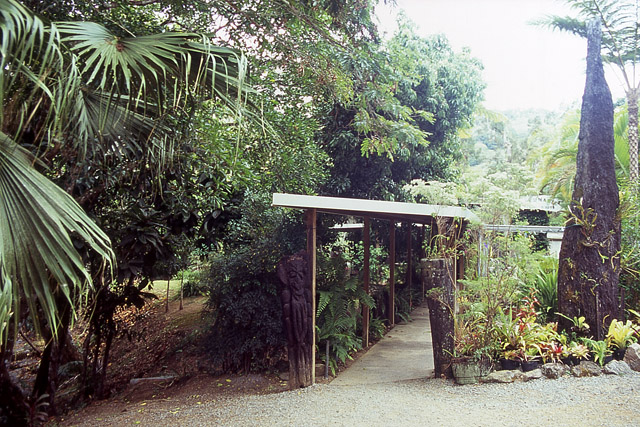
(596, 401)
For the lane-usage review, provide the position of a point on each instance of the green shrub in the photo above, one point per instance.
(244, 302)
(193, 284)
(630, 247)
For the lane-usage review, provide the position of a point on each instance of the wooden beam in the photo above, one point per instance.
(311, 219)
(366, 242)
(391, 308)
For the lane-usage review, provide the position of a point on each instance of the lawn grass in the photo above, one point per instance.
(159, 288)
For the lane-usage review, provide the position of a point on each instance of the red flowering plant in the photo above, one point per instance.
(521, 337)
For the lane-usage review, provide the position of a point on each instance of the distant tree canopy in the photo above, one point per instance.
(428, 92)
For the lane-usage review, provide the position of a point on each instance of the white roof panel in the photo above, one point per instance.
(415, 212)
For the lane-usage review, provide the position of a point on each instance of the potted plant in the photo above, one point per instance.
(620, 336)
(531, 359)
(506, 334)
(472, 357)
(600, 349)
(574, 352)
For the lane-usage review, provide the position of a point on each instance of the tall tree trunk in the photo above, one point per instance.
(632, 129)
(438, 277)
(589, 257)
(182, 290)
(166, 308)
(46, 381)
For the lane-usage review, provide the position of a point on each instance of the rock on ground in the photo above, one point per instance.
(587, 369)
(632, 356)
(554, 370)
(532, 375)
(503, 377)
(617, 367)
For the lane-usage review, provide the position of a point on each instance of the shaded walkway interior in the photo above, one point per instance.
(405, 353)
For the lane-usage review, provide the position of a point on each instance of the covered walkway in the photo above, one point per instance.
(405, 353)
(449, 221)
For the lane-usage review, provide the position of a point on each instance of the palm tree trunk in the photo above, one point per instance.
(632, 105)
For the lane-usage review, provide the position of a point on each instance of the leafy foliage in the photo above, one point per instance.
(244, 299)
(425, 92)
(557, 169)
(340, 300)
(246, 331)
(545, 285)
(630, 246)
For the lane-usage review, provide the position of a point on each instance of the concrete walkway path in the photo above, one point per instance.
(405, 353)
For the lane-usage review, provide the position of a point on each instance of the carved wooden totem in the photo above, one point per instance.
(297, 316)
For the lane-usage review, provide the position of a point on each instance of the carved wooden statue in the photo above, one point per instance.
(297, 316)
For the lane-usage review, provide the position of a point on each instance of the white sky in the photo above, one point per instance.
(525, 66)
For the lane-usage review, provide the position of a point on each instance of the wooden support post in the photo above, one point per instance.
(311, 217)
(391, 308)
(409, 264)
(366, 242)
(423, 253)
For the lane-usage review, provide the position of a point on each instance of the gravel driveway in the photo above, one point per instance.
(371, 395)
(569, 401)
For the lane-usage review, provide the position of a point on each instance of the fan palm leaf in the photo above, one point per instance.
(78, 84)
(37, 221)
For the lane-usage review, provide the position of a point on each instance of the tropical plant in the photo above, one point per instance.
(81, 85)
(577, 350)
(82, 89)
(506, 333)
(499, 285)
(620, 334)
(557, 169)
(404, 302)
(340, 301)
(377, 328)
(579, 324)
(545, 285)
(600, 349)
(630, 245)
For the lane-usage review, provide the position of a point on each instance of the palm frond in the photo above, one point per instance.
(621, 140)
(37, 222)
(6, 296)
